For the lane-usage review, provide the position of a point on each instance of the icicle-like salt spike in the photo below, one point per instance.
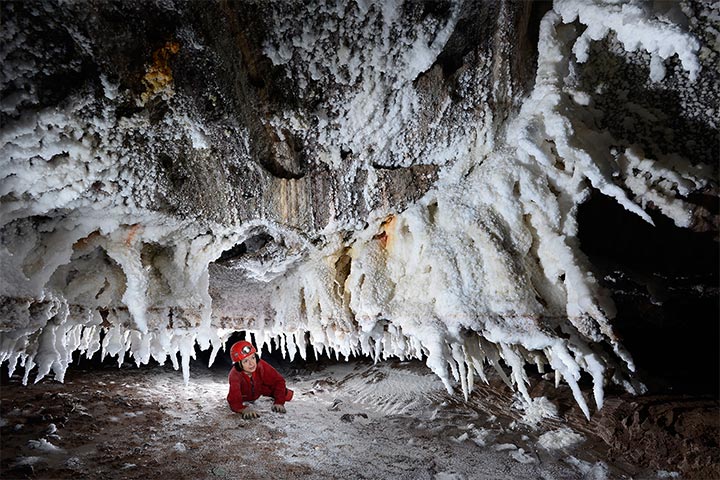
(597, 371)
(142, 351)
(283, 345)
(160, 347)
(561, 361)
(291, 346)
(215, 349)
(380, 343)
(365, 347)
(204, 337)
(12, 363)
(437, 361)
(469, 375)
(107, 339)
(539, 363)
(134, 340)
(187, 351)
(621, 352)
(46, 351)
(377, 352)
(28, 365)
(517, 371)
(577, 394)
(476, 356)
(458, 354)
(121, 356)
(91, 340)
(68, 342)
(302, 345)
(74, 338)
(174, 360)
(7, 347)
(590, 361)
(493, 356)
(185, 362)
(263, 341)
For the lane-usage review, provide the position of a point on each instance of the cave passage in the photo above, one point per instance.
(348, 419)
(664, 281)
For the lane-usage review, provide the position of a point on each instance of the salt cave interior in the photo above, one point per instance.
(482, 228)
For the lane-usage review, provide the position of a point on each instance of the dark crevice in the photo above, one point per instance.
(256, 242)
(378, 166)
(251, 245)
(469, 34)
(538, 9)
(174, 169)
(286, 158)
(342, 270)
(664, 281)
(436, 8)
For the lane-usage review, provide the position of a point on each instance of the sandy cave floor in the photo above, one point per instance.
(353, 419)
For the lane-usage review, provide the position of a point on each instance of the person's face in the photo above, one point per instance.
(249, 364)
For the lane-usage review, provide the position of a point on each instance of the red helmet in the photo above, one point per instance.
(241, 350)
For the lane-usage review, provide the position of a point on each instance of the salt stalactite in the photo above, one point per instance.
(637, 26)
(93, 257)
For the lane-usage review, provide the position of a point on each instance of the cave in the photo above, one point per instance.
(474, 239)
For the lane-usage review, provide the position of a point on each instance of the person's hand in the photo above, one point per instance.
(279, 408)
(248, 414)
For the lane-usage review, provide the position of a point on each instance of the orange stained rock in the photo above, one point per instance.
(132, 232)
(159, 77)
(84, 242)
(385, 236)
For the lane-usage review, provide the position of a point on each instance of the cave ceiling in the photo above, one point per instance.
(381, 178)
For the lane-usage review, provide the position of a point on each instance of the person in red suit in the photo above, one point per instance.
(251, 378)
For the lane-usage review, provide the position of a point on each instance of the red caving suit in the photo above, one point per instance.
(265, 380)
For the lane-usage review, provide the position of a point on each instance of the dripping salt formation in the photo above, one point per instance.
(373, 178)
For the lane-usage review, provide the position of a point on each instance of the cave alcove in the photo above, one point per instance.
(664, 282)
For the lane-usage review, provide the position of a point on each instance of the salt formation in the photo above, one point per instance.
(560, 438)
(123, 230)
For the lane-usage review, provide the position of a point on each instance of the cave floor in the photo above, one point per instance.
(353, 419)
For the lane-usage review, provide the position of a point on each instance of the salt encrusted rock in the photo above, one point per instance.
(386, 178)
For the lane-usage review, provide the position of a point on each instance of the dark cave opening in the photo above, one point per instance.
(313, 361)
(251, 245)
(664, 281)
